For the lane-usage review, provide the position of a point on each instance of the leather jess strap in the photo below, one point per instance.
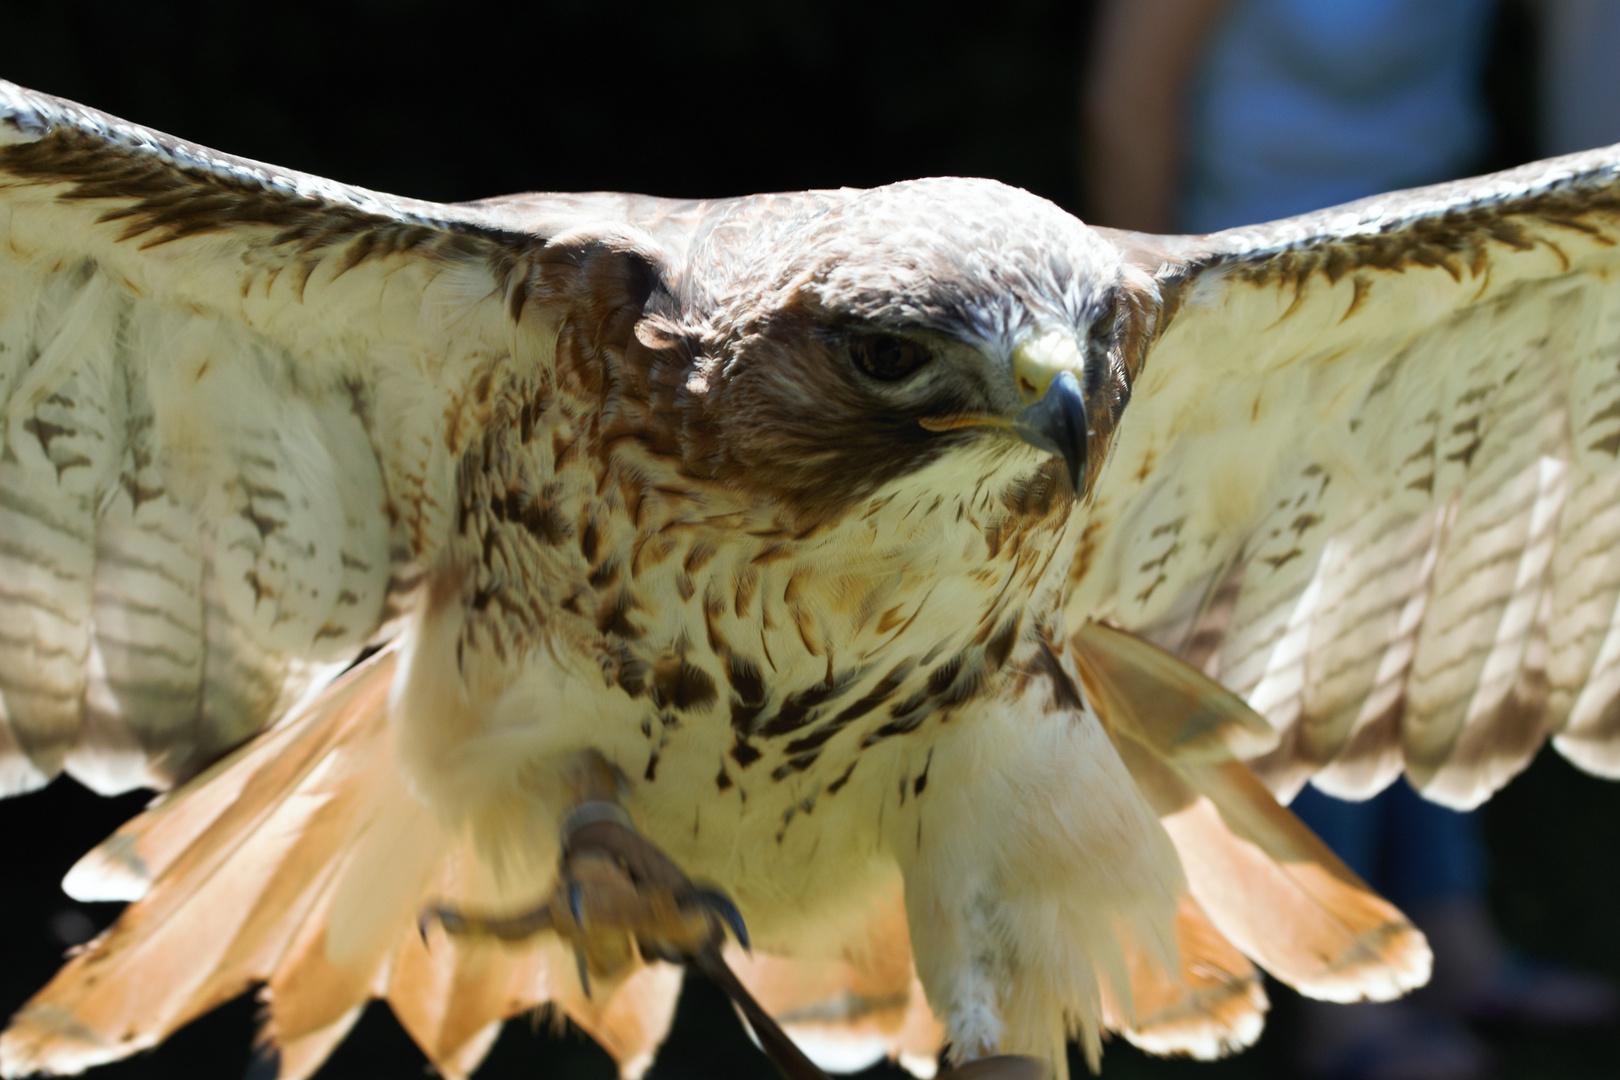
(793, 1063)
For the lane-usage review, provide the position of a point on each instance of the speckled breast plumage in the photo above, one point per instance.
(717, 626)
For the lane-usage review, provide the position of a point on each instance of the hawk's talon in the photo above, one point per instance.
(719, 903)
(576, 903)
(633, 891)
(584, 969)
(623, 881)
(615, 890)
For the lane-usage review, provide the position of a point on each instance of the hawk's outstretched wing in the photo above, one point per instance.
(1368, 477)
(240, 408)
(229, 403)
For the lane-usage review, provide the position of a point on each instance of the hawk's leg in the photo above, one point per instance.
(1033, 870)
(616, 891)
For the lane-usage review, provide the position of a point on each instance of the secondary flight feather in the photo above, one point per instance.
(780, 568)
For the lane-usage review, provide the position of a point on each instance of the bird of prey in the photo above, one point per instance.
(583, 580)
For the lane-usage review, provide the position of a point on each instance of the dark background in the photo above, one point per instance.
(455, 101)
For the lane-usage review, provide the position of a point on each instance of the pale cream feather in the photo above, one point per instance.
(205, 432)
(1268, 885)
(1397, 468)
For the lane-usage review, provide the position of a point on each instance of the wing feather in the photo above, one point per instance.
(1368, 474)
(234, 404)
(225, 390)
(1375, 591)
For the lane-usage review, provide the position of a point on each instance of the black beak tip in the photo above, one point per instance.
(1057, 424)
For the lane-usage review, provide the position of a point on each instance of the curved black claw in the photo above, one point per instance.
(451, 920)
(584, 972)
(576, 906)
(719, 903)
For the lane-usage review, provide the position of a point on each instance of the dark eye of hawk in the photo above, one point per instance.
(887, 358)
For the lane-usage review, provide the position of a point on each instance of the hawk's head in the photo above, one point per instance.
(830, 343)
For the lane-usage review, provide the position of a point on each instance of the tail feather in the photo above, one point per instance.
(229, 803)
(373, 849)
(1213, 1006)
(308, 990)
(1275, 890)
(631, 1021)
(852, 998)
(1267, 883)
(446, 998)
(219, 913)
(853, 1004)
(171, 958)
(461, 1064)
(452, 999)
(298, 1059)
(300, 863)
(846, 1033)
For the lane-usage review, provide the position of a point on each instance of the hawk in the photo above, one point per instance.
(580, 579)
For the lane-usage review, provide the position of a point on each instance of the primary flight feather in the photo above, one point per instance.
(787, 560)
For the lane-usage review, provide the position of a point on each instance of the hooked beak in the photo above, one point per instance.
(1053, 418)
(1054, 415)
(1056, 423)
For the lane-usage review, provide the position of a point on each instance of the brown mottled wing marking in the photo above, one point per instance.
(1368, 478)
(233, 400)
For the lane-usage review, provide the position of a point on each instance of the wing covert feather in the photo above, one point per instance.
(226, 394)
(1368, 478)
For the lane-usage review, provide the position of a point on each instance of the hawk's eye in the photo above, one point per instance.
(888, 358)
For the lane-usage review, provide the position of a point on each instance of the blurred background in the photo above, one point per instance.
(452, 101)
